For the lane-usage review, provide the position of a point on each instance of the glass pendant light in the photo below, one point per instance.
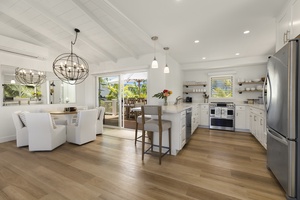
(166, 69)
(154, 62)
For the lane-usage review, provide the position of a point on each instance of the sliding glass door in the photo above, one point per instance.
(109, 96)
(119, 94)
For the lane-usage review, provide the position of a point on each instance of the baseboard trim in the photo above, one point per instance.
(7, 139)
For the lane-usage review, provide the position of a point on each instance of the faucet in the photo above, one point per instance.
(178, 99)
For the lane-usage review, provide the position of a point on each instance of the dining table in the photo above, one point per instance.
(68, 114)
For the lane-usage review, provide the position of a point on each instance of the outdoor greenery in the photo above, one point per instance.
(221, 87)
(132, 90)
(110, 91)
(21, 91)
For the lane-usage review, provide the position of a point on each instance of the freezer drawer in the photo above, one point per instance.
(281, 161)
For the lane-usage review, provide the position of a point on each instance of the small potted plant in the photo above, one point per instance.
(164, 95)
(205, 96)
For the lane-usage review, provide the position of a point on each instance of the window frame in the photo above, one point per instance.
(222, 98)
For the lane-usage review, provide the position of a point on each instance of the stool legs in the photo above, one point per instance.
(136, 131)
(143, 144)
(160, 145)
(170, 141)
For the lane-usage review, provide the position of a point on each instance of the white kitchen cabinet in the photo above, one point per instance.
(195, 117)
(295, 19)
(288, 26)
(204, 115)
(240, 117)
(257, 125)
(284, 28)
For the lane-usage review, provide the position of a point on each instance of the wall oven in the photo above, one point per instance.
(221, 116)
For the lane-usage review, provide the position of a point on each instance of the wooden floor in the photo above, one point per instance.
(214, 165)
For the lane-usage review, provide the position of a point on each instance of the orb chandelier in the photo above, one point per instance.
(30, 76)
(69, 67)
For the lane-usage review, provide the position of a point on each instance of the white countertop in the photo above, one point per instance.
(176, 108)
(258, 106)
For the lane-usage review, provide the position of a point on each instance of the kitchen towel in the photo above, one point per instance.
(218, 112)
(224, 113)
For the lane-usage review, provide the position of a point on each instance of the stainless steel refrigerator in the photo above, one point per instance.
(283, 121)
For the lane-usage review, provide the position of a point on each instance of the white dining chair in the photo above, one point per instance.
(100, 116)
(21, 128)
(84, 130)
(43, 134)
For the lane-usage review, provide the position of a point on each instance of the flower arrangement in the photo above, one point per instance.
(163, 95)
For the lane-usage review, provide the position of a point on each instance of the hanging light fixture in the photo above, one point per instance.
(69, 67)
(30, 76)
(154, 62)
(166, 69)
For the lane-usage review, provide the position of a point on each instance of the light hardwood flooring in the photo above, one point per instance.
(214, 165)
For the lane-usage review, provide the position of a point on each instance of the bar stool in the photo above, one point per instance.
(137, 122)
(155, 125)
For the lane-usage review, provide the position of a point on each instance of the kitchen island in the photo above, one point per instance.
(177, 115)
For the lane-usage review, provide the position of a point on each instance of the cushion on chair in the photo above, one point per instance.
(22, 117)
(139, 118)
(152, 125)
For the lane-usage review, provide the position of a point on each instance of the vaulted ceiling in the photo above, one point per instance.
(116, 29)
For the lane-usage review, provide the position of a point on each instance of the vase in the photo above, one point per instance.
(165, 101)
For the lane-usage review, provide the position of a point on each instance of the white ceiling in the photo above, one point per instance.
(116, 29)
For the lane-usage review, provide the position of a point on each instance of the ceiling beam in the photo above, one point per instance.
(31, 26)
(117, 15)
(65, 26)
(114, 36)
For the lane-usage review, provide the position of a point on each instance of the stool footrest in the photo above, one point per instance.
(146, 152)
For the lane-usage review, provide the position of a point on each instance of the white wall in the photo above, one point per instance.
(244, 72)
(157, 79)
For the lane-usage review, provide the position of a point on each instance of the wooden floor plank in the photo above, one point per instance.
(214, 165)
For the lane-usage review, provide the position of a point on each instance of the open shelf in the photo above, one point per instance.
(187, 85)
(259, 82)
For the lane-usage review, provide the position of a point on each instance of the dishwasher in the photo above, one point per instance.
(188, 124)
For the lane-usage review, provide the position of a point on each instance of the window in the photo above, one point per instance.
(221, 86)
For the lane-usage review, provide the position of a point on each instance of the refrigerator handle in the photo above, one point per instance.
(277, 136)
(266, 104)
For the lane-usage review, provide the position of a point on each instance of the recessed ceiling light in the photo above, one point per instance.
(203, 58)
(237, 54)
(196, 41)
(246, 32)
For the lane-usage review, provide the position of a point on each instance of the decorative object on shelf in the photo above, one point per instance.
(154, 62)
(205, 96)
(69, 67)
(166, 69)
(163, 95)
(31, 77)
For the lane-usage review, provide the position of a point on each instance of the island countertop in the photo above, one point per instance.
(172, 109)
